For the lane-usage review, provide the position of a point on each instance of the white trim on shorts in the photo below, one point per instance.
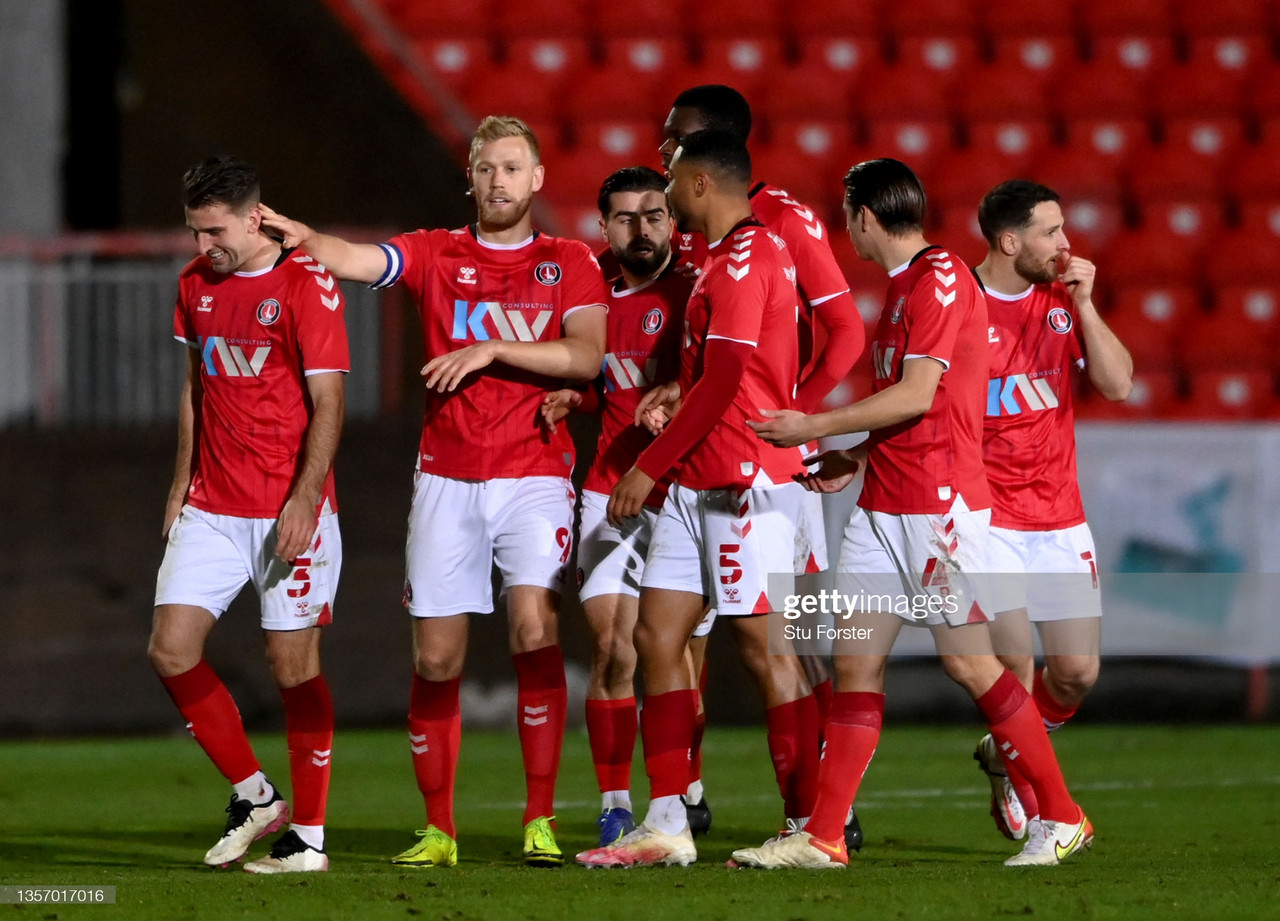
(210, 558)
(1053, 574)
(458, 530)
(924, 568)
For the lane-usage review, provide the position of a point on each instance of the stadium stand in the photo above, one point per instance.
(1157, 120)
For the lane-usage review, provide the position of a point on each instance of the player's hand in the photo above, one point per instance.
(785, 428)
(558, 404)
(658, 407)
(445, 372)
(295, 528)
(831, 471)
(1077, 274)
(172, 509)
(627, 499)
(295, 233)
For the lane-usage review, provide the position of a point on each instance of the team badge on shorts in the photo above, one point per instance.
(1060, 320)
(268, 311)
(547, 273)
(895, 315)
(652, 321)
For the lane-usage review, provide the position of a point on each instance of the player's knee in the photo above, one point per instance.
(1074, 679)
(656, 645)
(168, 659)
(437, 664)
(969, 671)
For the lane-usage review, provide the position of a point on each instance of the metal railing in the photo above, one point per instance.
(87, 338)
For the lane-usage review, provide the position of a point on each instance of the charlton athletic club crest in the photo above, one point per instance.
(895, 315)
(1059, 320)
(268, 311)
(652, 321)
(548, 273)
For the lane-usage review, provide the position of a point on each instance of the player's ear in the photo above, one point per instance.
(1009, 244)
(604, 233)
(539, 174)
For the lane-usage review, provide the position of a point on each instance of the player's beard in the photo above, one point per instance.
(493, 219)
(1036, 272)
(642, 261)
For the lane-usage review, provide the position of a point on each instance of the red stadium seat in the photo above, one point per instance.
(1143, 56)
(1100, 90)
(946, 58)
(460, 18)
(1196, 90)
(811, 89)
(581, 221)
(1001, 18)
(1222, 17)
(904, 94)
(574, 178)
(631, 139)
(1242, 257)
(919, 144)
(991, 92)
(955, 225)
(1261, 217)
(1079, 173)
(962, 177)
(1241, 332)
(515, 90)
(1021, 141)
(1090, 224)
(1035, 58)
(552, 55)
(1171, 172)
(654, 17)
(602, 92)
(752, 58)
(1229, 395)
(1152, 256)
(1199, 220)
(518, 19)
(842, 57)
(931, 17)
(1216, 139)
(1237, 55)
(627, 56)
(1262, 97)
(732, 17)
(1154, 394)
(1110, 143)
(455, 61)
(833, 17)
(808, 158)
(1140, 17)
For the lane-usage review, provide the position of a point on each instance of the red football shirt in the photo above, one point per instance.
(933, 308)
(259, 335)
(745, 293)
(469, 291)
(1029, 437)
(643, 349)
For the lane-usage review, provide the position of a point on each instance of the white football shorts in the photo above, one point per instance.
(724, 543)
(1053, 574)
(210, 558)
(458, 529)
(611, 560)
(927, 569)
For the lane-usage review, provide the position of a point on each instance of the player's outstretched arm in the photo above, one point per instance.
(188, 411)
(296, 526)
(906, 399)
(364, 262)
(1107, 361)
(576, 356)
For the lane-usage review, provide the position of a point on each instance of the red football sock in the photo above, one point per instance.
(793, 746)
(667, 730)
(823, 694)
(1052, 711)
(308, 720)
(542, 702)
(212, 717)
(1020, 737)
(435, 734)
(699, 730)
(612, 726)
(853, 731)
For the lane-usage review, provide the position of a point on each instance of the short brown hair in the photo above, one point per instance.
(221, 181)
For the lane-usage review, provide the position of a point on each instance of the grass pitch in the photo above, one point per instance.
(1187, 824)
